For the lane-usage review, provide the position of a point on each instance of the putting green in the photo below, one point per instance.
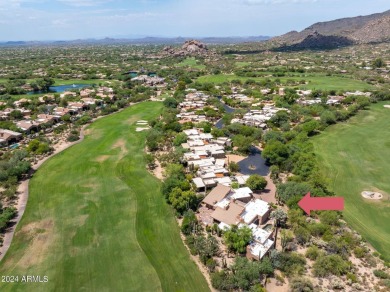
(96, 221)
(356, 157)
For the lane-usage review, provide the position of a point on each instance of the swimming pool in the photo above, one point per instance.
(13, 146)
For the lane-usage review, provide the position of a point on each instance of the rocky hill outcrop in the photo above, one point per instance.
(190, 48)
(317, 41)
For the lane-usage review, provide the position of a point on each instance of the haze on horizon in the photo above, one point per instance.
(79, 19)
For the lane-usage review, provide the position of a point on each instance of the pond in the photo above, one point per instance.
(228, 109)
(254, 164)
(62, 88)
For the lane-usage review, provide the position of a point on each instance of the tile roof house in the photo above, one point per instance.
(230, 215)
(8, 137)
(28, 126)
(229, 210)
(61, 111)
(216, 195)
(43, 119)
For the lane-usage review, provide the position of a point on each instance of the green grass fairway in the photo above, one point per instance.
(316, 81)
(192, 63)
(96, 220)
(356, 157)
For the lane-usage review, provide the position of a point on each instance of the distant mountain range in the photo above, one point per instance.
(141, 41)
(374, 28)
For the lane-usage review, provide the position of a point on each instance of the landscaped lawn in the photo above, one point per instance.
(316, 81)
(96, 221)
(192, 63)
(356, 157)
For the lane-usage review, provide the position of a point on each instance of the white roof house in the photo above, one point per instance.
(259, 250)
(241, 179)
(198, 182)
(259, 234)
(190, 132)
(226, 181)
(254, 209)
(242, 193)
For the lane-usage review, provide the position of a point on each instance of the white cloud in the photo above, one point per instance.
(262, 2)
(84, 3)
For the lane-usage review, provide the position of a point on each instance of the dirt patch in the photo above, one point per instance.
(80, 220)
(131, 120)
(30, 229)
(274, 285)
(102, 158)
(234, 158)
(343, 154)
(41, 236)
(121, 144)
(158, 171)
(93, 133)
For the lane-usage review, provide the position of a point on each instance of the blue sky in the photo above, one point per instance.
(74, 19)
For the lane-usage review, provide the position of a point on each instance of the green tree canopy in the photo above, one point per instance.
(237, 239)
(256, 182)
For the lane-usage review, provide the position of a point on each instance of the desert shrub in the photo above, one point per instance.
(381, 274)
(337, 284)
(330, 265)
(302, 235)
(301, 285)
(289, 263)
(352, 277)
(359, 252)
(330, 218)
(386, 283)
(313, 252)
(73, 138)
(317, 229)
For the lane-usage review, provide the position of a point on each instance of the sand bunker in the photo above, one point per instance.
(141, 129)
(387, 106)
(372, 195)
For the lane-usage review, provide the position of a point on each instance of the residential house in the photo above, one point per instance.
(28, 126)
(261, 244)
(8, 137)
(61, 111)
(216, 195)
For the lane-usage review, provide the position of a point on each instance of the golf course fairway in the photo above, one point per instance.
(96, 221)
(356, 157)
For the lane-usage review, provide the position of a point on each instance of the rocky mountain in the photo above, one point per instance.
(190, 48)
(377, 30)
(361, 29)
(317, 41)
